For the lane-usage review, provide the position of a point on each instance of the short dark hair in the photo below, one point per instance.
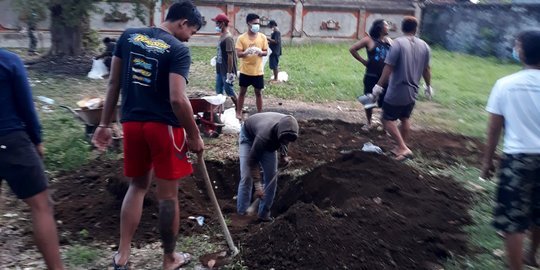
(376, 28)
(251, 16)
(409, 24)
(530, 46)
(272, 23)
(107, 40)
(185, 10)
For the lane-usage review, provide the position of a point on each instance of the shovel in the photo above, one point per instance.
(222, 257)
(255, 204)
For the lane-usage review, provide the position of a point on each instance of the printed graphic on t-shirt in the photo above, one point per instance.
(143, 69)
(380, 53)
(149, 44)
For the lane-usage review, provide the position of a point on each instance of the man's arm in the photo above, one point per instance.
(113, 92)
(183, 111)
(24, 103)
(230, 62)
(427, 75)
(103, 134)
(495, 126)
(363, 43)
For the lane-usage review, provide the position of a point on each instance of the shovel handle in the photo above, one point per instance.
(214, 200)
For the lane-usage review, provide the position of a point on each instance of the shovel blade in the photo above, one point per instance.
(253, 207)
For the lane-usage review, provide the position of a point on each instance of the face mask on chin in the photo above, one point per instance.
(515, 54)
(255, 28)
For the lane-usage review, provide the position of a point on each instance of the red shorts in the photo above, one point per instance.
(150, 144)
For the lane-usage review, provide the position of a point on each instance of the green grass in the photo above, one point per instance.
(82, 255)
(327, 72)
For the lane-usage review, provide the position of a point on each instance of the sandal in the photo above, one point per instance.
(187, 259)
(119, 267)
(403, 158)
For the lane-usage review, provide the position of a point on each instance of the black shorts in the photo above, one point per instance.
(21, 166)
(393, 113)
(246, 81)
(273, 61)
(369, 83)
(518, 193)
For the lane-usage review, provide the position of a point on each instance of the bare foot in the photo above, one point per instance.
(180, 259)
(239, 116)
(402, 155)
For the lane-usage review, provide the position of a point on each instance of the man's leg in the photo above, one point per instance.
(405, 129)
(530, 257)
(240, 101)
(514, 250)
(269, 165)
(258, 99)
(276, 71)
(44, 227)
(219, 84)
(130, 215)
(392, 129)
(169, 222)
(245, 187)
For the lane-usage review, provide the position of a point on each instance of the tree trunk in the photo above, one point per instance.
(66, 39)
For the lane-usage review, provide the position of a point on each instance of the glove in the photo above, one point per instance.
(377, 90)
(230, 78)
(284, 162)
(428, 91)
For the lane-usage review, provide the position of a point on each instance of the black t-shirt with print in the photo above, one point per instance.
(225, 46)
(148, 56)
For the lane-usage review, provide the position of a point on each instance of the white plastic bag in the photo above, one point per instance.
(232, 125)
(213, 61)
(98, 69)
(282, 76)
(265, 59)
(369, 147)
(215, 100)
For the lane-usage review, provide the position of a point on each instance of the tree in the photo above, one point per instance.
(70, 20)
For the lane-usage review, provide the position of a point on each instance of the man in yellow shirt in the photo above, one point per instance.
(251, 47)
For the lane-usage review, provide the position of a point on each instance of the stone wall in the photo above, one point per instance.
(300, 21)
(485, 30)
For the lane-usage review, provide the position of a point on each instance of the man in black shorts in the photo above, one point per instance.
(21, 152)
(250, 48)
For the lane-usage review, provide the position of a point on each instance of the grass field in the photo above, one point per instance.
(322, 73)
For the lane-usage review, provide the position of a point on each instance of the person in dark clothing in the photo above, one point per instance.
(261, 136)
(225, 59)
(377, 45)
(21, 153)
(110, 43)
(151, 66)
(274, 42)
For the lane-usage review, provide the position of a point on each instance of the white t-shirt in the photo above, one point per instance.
(517, 98)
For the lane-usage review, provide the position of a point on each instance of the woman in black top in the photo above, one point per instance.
(377, 45)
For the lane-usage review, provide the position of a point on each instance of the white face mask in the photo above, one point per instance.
(218, 29)
(255, 28)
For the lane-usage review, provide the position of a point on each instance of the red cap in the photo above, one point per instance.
(221, 18)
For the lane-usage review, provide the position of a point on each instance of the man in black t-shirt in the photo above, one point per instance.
(225, 58)
(151, 66)
(274, 42)
(108, 53)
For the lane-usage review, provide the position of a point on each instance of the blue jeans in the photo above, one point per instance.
(222, 85)
(268, 162)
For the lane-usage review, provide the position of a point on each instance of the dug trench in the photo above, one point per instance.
(336, 207)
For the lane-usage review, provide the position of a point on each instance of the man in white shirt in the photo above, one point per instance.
(514, 104)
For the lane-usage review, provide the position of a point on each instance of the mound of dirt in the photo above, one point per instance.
(66, 65)
(91, 198)
(362, 211)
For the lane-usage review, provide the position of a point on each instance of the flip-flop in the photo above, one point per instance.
(403, 158)
(187, 259)
(119, 267)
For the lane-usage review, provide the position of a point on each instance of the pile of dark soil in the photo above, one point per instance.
(65, 65)
(362, 211)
